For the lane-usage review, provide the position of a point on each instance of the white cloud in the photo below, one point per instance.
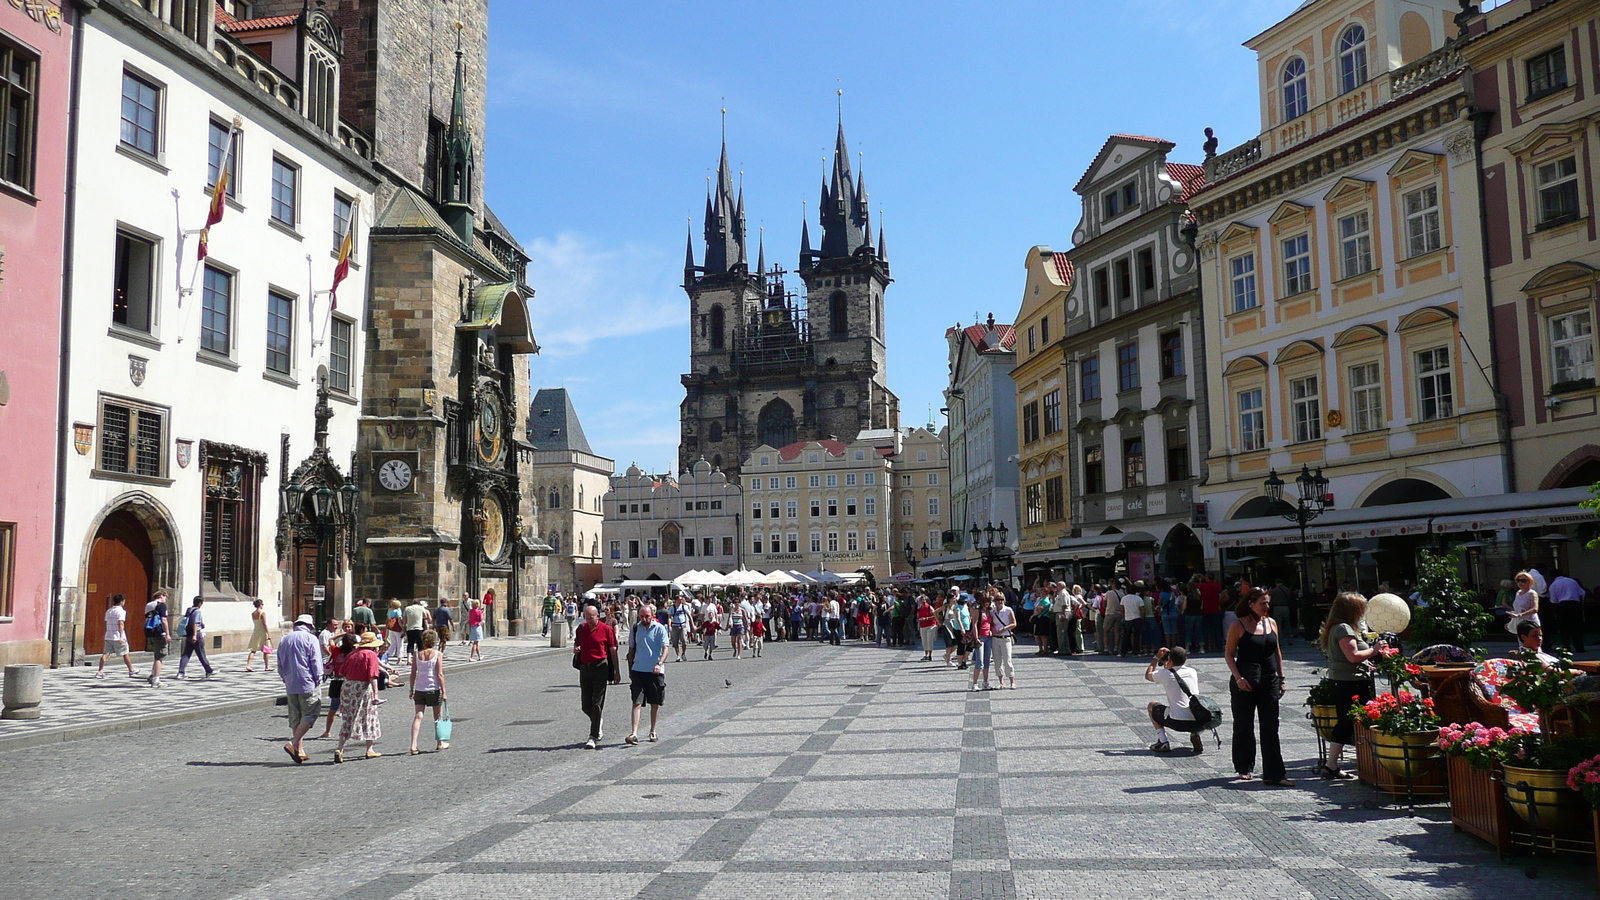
(585, 293)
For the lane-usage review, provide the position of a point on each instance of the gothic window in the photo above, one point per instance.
(716, 431)
(555, 499)
(777, 428)
(718, 328)
(838, 316)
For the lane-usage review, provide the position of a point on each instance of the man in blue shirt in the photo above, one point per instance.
(300, 667)
(647, 649)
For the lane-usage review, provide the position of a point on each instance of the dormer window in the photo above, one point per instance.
(1352, 59)
(1121, 199)
(1294, 89)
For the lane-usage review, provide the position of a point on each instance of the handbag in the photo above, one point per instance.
(1207, 714)
(442, 726)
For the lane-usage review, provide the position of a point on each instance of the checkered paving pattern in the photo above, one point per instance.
(865, 773)
(77, 704)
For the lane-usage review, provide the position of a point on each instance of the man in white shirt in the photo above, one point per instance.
(1165, 670)
(1132, 623)
(832, 629)
(116, 636)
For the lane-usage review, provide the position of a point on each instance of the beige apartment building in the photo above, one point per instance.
(921, 496)
(821, 506)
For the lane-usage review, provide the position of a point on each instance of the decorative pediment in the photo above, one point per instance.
(1548, 138)
(1428, 315)
(1416, 162)
(1297, 350)
(1087, 425)
(1357, 334)
(1243, 364)
(1562, 275)
(1053, 461)
(1172, 406)
(1238, 233)
(1127, 415)
(321, 26)
(1346, 189)
(1290, 213)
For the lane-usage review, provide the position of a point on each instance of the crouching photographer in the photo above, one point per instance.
(1180, 683)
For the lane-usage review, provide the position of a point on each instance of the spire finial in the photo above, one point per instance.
(724, 121)
(839, 94)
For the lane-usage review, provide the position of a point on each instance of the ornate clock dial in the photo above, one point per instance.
(494, 528)
(395, 475)
(489, 427)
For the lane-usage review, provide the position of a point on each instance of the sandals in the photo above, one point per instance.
(298, 759)
(373, 754)
(652, 739)
(338, 756)
(415, 751)
(1332, 774)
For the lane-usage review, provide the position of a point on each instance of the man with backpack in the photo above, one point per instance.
(1180, 683)
(194, 639)
(157, 633)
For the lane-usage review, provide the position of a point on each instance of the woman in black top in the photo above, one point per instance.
(1256, 661)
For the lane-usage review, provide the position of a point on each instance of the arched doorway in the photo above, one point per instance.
(1181, 553)
(776, 425)
(121, 561)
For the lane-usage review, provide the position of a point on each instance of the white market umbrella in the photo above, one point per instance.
(779, 576)
(824, 577)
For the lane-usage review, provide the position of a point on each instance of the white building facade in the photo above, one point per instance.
(193, 383)
(822, 506)
(658, 527)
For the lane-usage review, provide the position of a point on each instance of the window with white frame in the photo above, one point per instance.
(871, 540)
(933, 479)
(1558, 191)
(833, 507)
(933, 506)
(833, 480)
(833, 542)
(907, 505)
(1295, 94)
(1422, 220)
(1352, 59)
(869, 478)
(816, 508)
(1366, 398)
(1572, 347)
(814, 481)
(1305, 404)
(849, 506)
(793, 540)
(1434, 387)
(1244, 282)
(1547, 73)
(775, 543)
(792, 509)
(1252, 421)
(869, 505)
(849, 479)
(1296, 264)
(852, 542)
(1355, 244)
(816, 542)
(790, 482)
(757, 543)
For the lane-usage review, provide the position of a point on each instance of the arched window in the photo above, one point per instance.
(716, 461)
(578, 547)
(555, 499)
(838, 315)
(1352, 58)
(838, 398)
(554, 542)
(580, 500)
(717, 327)
(776, 428)
(594, 547)
(716, 431)
(1294, 89)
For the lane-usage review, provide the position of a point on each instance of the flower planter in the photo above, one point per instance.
(1323, 719)
(1541, 798)
(1406, 754)
(1478, 804)
(1427, 775)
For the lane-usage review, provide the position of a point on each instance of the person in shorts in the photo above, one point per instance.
(157, 633)
(441, 624)
(300, 667)
(427, 684)
(647, 643)
(680, 627)
(116, 637)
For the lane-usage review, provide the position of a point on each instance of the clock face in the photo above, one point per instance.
(494, 528)
(395, 475)
(489, 428)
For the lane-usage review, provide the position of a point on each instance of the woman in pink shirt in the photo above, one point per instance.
(475, 630)
(985, 631)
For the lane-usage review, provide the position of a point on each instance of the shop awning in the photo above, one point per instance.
(1449, 516)
(1099, 545)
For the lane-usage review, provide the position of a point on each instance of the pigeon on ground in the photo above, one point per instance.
(727, 683)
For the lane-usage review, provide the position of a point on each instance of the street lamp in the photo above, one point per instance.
(911, 558)
(332, 511)
(1311, 502)
(991, 543)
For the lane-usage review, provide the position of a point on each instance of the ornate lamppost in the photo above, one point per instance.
(314, 510)
(1311, 502)
(991, 544)
(911, 557)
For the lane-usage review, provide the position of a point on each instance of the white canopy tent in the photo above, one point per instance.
(743, 577)
(779, 576)
(826, 577)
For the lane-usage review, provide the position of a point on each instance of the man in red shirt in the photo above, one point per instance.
(594, 650)
(1210, 611)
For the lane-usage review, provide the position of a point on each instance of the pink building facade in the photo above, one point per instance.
(35, 81)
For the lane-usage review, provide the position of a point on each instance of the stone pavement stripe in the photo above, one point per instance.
(675, 885)
(476, 843)
(384, 887)
(1269, 834)
(982, 885)
(558, 867)
(722, 840)
(1336, 884)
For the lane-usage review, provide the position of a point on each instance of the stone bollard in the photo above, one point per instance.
(24, 691)
(558, 632)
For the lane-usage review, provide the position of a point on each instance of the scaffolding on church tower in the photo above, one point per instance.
(779, 333)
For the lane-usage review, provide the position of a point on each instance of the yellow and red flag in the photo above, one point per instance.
(219, 193)
(346, 248)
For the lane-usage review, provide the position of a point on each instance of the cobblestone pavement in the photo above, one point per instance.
(819, 772)
(77, 704)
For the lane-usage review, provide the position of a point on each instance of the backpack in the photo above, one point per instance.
(153, 623)
(1207, 714)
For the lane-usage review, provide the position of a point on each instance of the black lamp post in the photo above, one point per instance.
(911, 557)
(991, 544)
(1311, 501)
(331, 512)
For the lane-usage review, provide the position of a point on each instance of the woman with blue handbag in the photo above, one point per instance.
(428, 691)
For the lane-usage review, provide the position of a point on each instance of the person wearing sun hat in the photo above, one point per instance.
(358, 701)
(300, 667)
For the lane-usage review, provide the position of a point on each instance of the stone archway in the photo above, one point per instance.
(1580, 468)
(131, 545)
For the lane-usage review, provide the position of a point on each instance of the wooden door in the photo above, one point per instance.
(305, 581)
(120, 562)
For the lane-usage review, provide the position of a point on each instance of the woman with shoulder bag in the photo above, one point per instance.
(358, 706)
(1003, 625)
(1349, 670)
(1256, 661)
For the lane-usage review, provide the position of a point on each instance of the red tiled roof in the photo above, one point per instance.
(979, 336)
(1064, 268)
(834, 448)
(1140, 137)
(1191, 176)
(239, 26)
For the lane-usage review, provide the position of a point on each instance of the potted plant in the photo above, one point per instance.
(1405, 730)
(1474, 753)
(1536, 772)
(1394, 668)
(1322, 698)
(1451, 615)
(1482, 746)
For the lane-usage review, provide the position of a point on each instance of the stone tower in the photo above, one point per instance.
(766, 368)
(446, 511)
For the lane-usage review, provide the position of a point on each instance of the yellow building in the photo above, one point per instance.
(1348, 329)
(1040, 376)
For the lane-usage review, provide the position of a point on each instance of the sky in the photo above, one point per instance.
(973, 122)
